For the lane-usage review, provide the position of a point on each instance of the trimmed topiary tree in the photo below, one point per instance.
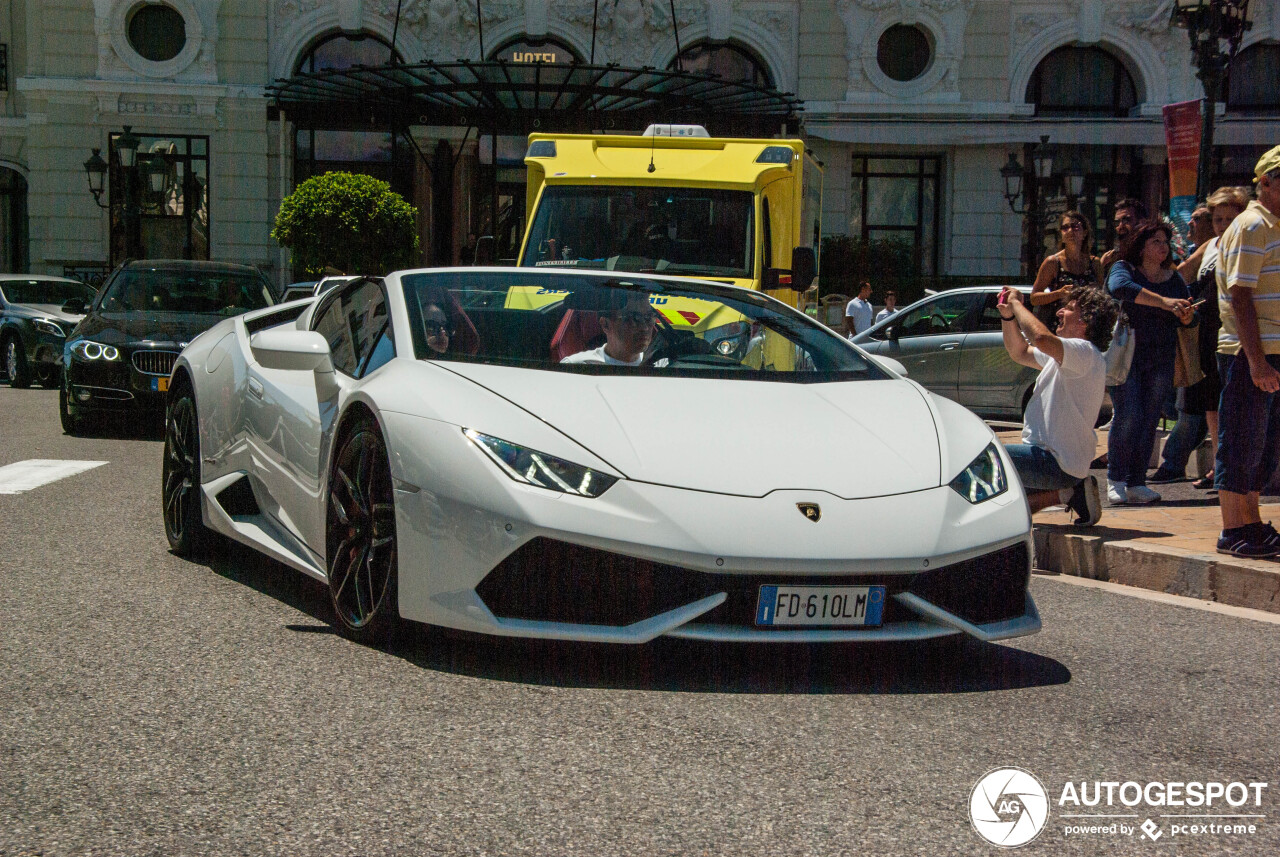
(349, 222)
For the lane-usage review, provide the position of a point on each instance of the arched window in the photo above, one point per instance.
(1253, 83)
(1073, 81)
(526, 50)
(729, 61)
(341, 51)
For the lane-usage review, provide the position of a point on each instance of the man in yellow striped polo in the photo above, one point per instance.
(1249, 361)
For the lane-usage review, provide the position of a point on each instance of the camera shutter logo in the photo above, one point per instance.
(1008, 807)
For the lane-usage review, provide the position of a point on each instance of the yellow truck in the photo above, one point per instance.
(677, 201)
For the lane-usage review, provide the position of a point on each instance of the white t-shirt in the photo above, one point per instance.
(860, 311)
(884, 313)
(1064, 405)
(1209, 258)
(597, 355)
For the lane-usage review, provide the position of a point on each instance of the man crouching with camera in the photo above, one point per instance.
(1058, 441)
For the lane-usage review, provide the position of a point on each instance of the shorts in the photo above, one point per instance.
(1038, 469)
(1248, 428)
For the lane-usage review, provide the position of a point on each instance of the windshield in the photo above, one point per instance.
(189, 291)
(45, 292)
(668, 230)
(624, 324)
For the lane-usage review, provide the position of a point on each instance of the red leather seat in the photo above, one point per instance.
(577, 330)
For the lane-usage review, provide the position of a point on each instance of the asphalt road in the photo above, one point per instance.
(152, 706)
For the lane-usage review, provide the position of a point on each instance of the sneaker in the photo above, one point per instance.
(1086, 502)
(1117, 493)
(1141, 494)
(1161, 477)
(1258, 541)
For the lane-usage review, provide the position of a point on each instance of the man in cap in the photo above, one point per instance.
(1249, 361)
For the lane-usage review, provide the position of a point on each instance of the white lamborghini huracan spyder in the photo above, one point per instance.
(593, 456)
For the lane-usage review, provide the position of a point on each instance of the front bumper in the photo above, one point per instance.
(139, 380)
(481, 553)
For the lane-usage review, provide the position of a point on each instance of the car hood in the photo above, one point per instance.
(852, 439)
(53, 311)
(124, 327)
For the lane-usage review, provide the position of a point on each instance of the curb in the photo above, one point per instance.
(1204, 576)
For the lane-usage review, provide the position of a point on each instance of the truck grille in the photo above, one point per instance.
(154, 362)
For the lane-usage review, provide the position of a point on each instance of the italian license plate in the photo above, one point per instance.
(820, 605)
(160, 385)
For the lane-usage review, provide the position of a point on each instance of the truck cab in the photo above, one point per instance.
(676, 201)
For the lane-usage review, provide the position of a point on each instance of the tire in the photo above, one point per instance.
(360, 536)
(180, 480)
(15, 362)
(70, 423)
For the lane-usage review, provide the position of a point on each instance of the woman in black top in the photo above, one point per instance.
(1071, 266)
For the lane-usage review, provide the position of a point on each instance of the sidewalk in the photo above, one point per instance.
(1168, 546)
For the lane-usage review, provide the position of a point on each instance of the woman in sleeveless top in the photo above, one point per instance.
(1071, 266)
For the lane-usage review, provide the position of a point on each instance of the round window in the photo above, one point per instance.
(904, 52)
(157, 32)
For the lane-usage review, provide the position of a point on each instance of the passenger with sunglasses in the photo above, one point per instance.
(628, 332)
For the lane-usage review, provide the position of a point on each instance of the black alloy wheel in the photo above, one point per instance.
(360, 536)
(15, 362)
(70, 422)
(180, 485)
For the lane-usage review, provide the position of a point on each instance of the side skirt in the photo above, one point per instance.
(257, 530)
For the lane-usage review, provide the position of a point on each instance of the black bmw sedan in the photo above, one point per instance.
(119, 358)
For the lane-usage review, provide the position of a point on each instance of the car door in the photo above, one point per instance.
(291, 425)
(990, 382)
(927, 338)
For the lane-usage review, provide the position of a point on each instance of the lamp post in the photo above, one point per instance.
(1215, 28)
(1022, 191)
(96, 170)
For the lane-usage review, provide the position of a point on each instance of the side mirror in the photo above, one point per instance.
(804, 268)
(775, 278)
(891, 333)
(74, 306)
(301, 350)
(486, 250)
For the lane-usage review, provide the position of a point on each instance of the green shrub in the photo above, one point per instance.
(354, 223)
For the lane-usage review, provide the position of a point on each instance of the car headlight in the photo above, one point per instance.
(87, 349)
(984, 478)
(537, 468)
(49, 327)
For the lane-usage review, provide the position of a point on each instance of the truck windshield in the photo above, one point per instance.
(671, 230)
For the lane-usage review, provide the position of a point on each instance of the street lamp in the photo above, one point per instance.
(1040, 157)
(1215, 28)
(96, 169)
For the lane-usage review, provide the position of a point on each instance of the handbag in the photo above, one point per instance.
(1119, 356)
(1186, 364)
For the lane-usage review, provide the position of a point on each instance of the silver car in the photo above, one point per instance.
(951, 343)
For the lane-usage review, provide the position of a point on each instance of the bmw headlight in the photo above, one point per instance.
(537, 468)
(87, 349)
(49, 327)
(984, 478)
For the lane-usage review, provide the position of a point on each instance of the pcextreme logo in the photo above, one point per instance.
(1010, 807)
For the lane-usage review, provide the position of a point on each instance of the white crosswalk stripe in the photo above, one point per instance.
(34, 472)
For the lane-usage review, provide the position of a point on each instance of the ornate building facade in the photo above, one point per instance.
(913, 106)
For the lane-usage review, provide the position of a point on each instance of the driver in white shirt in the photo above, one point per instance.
(628, 332)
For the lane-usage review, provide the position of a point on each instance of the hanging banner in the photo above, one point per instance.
(1182, 136)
